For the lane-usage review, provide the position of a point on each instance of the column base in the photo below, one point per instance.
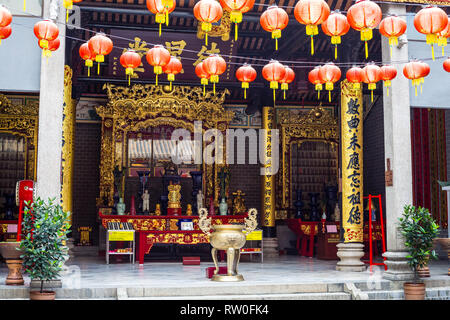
(350, 255)
(398, 268)
(270, 248)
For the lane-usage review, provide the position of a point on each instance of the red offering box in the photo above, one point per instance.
(210, 271)
(191, 261)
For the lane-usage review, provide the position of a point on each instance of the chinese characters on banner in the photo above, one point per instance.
(185, 46)
(352, 162)
(268, 180)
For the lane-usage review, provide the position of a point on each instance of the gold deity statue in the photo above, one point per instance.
(174, 196)
(189, 210)
(239, 203)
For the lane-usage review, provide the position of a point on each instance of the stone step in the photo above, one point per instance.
(299, 296)
(438, 293)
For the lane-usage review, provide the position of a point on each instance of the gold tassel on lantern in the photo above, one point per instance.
(335, 40)
(284, 87)
(372, 86)
(236, 17)
(431, 40)
(204, 82)
(312, 30)
(366, 35)
(206, 27)
(274, 86)
(329, 86)
(318, 88)
(276, 34)
(245, 86)
(89, 63)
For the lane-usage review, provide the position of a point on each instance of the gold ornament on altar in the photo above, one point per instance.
(174, 196)
(239, 202)
(189, 210)
(158, 210)
(228, 237)
(85, 235)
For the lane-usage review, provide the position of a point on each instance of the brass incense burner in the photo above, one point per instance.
(228, 237)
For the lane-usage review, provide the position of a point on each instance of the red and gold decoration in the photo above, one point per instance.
(329, 74)
(288, 78)
(130, 60)
(364, 16)
(446, 65)
(371, 74)
(204, 77)
(246, 74)
(68, 4)
(172, 68)
(214, 66)
(52, 46)
(392, 27)
(5, 16)
(274, 20)
(430, 21)
(236, 9)
(443, 36)
(336, 26)
(416, 71)
(313, 77)
(161, 10)
(5, 32)
(158, 57)
(100, 45)
(354, 75)
(388, 73)
(207, 12)
(45, 31)
(311, 13)
(273, 72)
(88, 56)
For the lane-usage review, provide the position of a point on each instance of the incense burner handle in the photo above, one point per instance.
(204, 223)
(250, 221)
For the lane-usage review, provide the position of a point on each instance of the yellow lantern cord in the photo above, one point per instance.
(235, 31)
(245, 93)
(329, 95)
(318, 94)
(206, 38)
(284, 94)
(432, 51)
(98, 68)
(159, 30)
(273, 95)
(366, 48)
(335, 52)
(276, 45)
(312, 45)
(89, 71)
(156, 83)
(67, 16)
(214, 87)
(167, 17)
(170, 85)
(204, 90)
(24, 5)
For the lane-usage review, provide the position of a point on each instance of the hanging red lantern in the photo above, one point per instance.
(5, 32)
(329, 74)
(68, 4)
(45, 31)
(311, 13)
(274, 20)
(203, 75)
(246, 74)
(273, 72)
(236, 9)
(88, 56)
(364, 16)
(207, 12)
(101, 46)
(53, 45)
(130, 60)
(288, 78)
(313, 77)
(430, 21)
(415, 71)
(392, 27)
(388, 73)
(214, 65)
(5, 16)
(158, 57)
(172, 68)
(354, 75)
(371, 74)
(443, 35)
(161, 10)
(335, 26)
(446, 65)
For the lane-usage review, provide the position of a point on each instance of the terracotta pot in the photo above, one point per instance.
(45, 295)
(414, 291)
(10, 252)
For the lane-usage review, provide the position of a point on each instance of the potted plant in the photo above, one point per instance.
(45, 227)
(419, 229)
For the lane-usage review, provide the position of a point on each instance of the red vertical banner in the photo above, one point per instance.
(413, 160)
(442, 153)
(434, 192)
(426, 159)
(418, 157)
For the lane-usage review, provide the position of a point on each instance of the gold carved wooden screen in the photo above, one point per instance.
(140, 106)
(304, 129)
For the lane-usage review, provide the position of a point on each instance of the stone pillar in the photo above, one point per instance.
(270, 241)
(397, 146)
(352, 249)
(51, 100)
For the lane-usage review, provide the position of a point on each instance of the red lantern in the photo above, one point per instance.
(87, 55)
(246, 74)
(172, 68)
(311, 13)
(100, 45)
(329, 74)
(207, 12)
(68, 4)
(161, 10)
(388, 73)
(288, 78)
(335, 26)
(214, 65)
(430, 21)
(45, 31)
(5, 32)
(415, 71)
(158, 57)
(236, 9)
(443, 35)
(5, 16)
(313, 77)
(364, 16)
(130, 60)
(354, 75)
(371, 74)
(273, 72)
(274, 20)
(53, 45)
(203, 75)
(446, 65)
(392, 27)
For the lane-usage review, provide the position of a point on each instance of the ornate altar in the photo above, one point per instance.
(308, 156)
(132, 110)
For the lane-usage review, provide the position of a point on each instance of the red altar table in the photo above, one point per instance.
(164, 229)
(4, 227)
